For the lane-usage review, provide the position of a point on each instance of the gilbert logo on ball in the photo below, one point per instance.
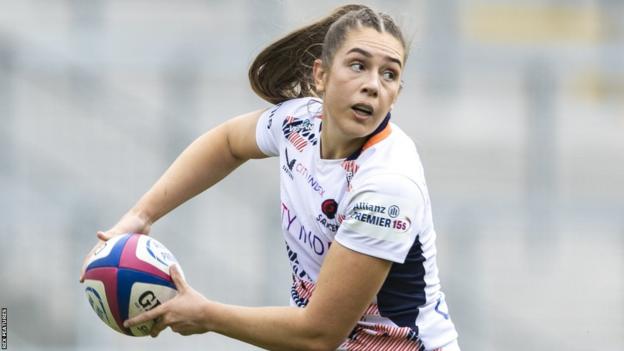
(127, 276)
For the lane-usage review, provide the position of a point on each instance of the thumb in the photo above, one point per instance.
(178, 279)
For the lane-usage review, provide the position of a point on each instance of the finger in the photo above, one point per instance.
(103, 235)
(145, 316)
(177, 278)
(159, 325)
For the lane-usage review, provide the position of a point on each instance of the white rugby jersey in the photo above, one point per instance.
(374, 202)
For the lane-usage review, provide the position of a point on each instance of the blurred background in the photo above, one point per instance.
(517, 109)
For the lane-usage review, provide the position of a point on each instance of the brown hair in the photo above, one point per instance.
(283, 70)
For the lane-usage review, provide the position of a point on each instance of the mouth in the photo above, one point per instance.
(364, 110)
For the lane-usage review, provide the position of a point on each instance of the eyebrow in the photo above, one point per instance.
(368, 54)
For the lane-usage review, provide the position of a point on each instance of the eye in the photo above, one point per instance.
(389, 75)
(357, 66)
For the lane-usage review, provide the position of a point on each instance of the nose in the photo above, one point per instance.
(371, 84)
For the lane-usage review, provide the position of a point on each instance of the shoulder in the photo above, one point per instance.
(293, 120)
(300, 107)
(383, 216)
(291, 111)
(389, 185)
(394, 158)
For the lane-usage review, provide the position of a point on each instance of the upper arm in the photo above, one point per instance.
(347, 284)
(241, 136)
(261, 133)
(383, 216)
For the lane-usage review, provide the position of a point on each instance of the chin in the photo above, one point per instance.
(365, 127)
(359, 130)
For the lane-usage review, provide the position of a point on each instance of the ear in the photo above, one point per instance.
(319, 74)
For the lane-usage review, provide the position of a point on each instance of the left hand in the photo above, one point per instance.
(183, 313)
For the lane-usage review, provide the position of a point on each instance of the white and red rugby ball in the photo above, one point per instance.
(127, 276)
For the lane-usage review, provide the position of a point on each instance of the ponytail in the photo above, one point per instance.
(283, 70)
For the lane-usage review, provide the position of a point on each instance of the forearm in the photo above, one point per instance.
(202, 164)
(272, 328)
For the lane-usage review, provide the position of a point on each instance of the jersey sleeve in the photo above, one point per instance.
(383, 216)
(267, 130)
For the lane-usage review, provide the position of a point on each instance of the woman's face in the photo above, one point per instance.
(362, 83)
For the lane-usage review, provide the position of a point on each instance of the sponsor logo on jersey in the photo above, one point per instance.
(350, 168)
(400, 225)
(394, 211)
(289, 164)
(380, 221)
(313, 182)
(379, 216)
(272, 114)
(305, 236)
(299, 132)
(442, 309)
(370, 207)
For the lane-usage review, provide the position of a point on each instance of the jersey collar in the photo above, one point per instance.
(380, 133)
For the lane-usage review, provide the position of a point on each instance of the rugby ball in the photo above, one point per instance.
(127, 276)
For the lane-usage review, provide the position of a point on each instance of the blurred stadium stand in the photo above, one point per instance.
(517, 109)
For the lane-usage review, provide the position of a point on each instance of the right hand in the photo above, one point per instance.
(129, 223)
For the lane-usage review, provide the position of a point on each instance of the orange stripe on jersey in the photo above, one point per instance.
(378, 137)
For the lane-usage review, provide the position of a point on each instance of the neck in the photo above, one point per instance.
(336, 145)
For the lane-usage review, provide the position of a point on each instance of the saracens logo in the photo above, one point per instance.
(299, 132)
(329, 208)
